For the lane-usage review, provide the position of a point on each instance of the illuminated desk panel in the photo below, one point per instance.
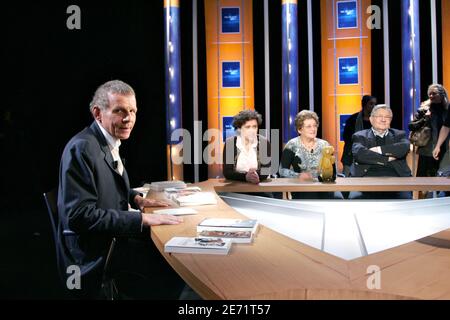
(277, 266)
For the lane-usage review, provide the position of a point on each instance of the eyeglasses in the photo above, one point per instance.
(313, 126)
(383, 117)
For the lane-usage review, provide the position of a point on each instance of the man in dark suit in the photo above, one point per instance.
(356, 122)
(94, 196)
(380, 152)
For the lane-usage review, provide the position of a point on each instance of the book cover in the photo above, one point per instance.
(181, 190)
(175, 193)
(161, 185)
(233, 236)
(232, 225)
(198, 245)
(177, 211)
(196, 199)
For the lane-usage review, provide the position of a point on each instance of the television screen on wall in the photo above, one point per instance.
(348, 70)
(231, 74)
(230, 20)
(342, 119)
(227, 127)
(347, 14)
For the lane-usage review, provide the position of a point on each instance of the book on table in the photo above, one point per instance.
(196, 199)
(198, 245)
(228, 225)
(176, 211)
(233, 236)
(161, 185)
(175, 193)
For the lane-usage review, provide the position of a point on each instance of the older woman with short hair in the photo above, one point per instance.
(302, 154)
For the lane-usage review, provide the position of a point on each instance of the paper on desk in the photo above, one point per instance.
(144, 190)
(277, 183)
(177, 211)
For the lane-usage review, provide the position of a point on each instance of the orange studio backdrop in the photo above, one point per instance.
(346, 64)
(229, 58)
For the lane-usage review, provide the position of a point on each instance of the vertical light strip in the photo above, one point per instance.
(361, 63)
(387, 75)
(243, 53)
(173, 84)
(310, 56)
(219, 81)
(289, 40)
(335, 105)
(434, 58)
(410, 59)
(168, 63)
(197, 141)
(267, 67)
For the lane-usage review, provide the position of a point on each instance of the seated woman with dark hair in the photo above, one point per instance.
(302, 154)
(246, 156)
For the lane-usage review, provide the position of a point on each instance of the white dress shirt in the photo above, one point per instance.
(247, 159)
(113, 145)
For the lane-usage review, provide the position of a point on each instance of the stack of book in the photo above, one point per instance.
(162, 185)
(176, 211)
(198, 245)
(194, 199)
(235, 230)
(174, 193)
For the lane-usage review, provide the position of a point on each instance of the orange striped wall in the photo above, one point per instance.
(224, 47)
(446, 42)
(342, 99)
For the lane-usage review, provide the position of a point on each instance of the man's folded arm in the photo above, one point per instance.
(363, 155)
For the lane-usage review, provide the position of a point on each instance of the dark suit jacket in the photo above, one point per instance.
(229, 165)
(92, 201)
(349, 130)
(397, 146)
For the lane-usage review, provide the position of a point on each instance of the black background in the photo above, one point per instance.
(50, 73)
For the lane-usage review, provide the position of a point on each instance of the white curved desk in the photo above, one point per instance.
(277, 266)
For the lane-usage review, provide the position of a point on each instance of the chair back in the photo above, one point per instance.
(108, 284)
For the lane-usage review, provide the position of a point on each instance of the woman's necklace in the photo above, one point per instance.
(309, 145)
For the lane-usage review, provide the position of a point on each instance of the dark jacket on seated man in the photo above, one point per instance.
(372, 164)
(87, 171)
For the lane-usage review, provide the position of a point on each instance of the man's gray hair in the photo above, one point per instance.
(100, 98)
(380, 106)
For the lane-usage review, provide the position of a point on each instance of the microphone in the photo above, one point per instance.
(312, 150)
(115, 164)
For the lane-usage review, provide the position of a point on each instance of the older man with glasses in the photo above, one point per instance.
(380, 152)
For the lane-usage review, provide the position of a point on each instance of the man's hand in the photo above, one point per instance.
(436, 152)
(144, 202)
(158, 219)
(252, 176)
